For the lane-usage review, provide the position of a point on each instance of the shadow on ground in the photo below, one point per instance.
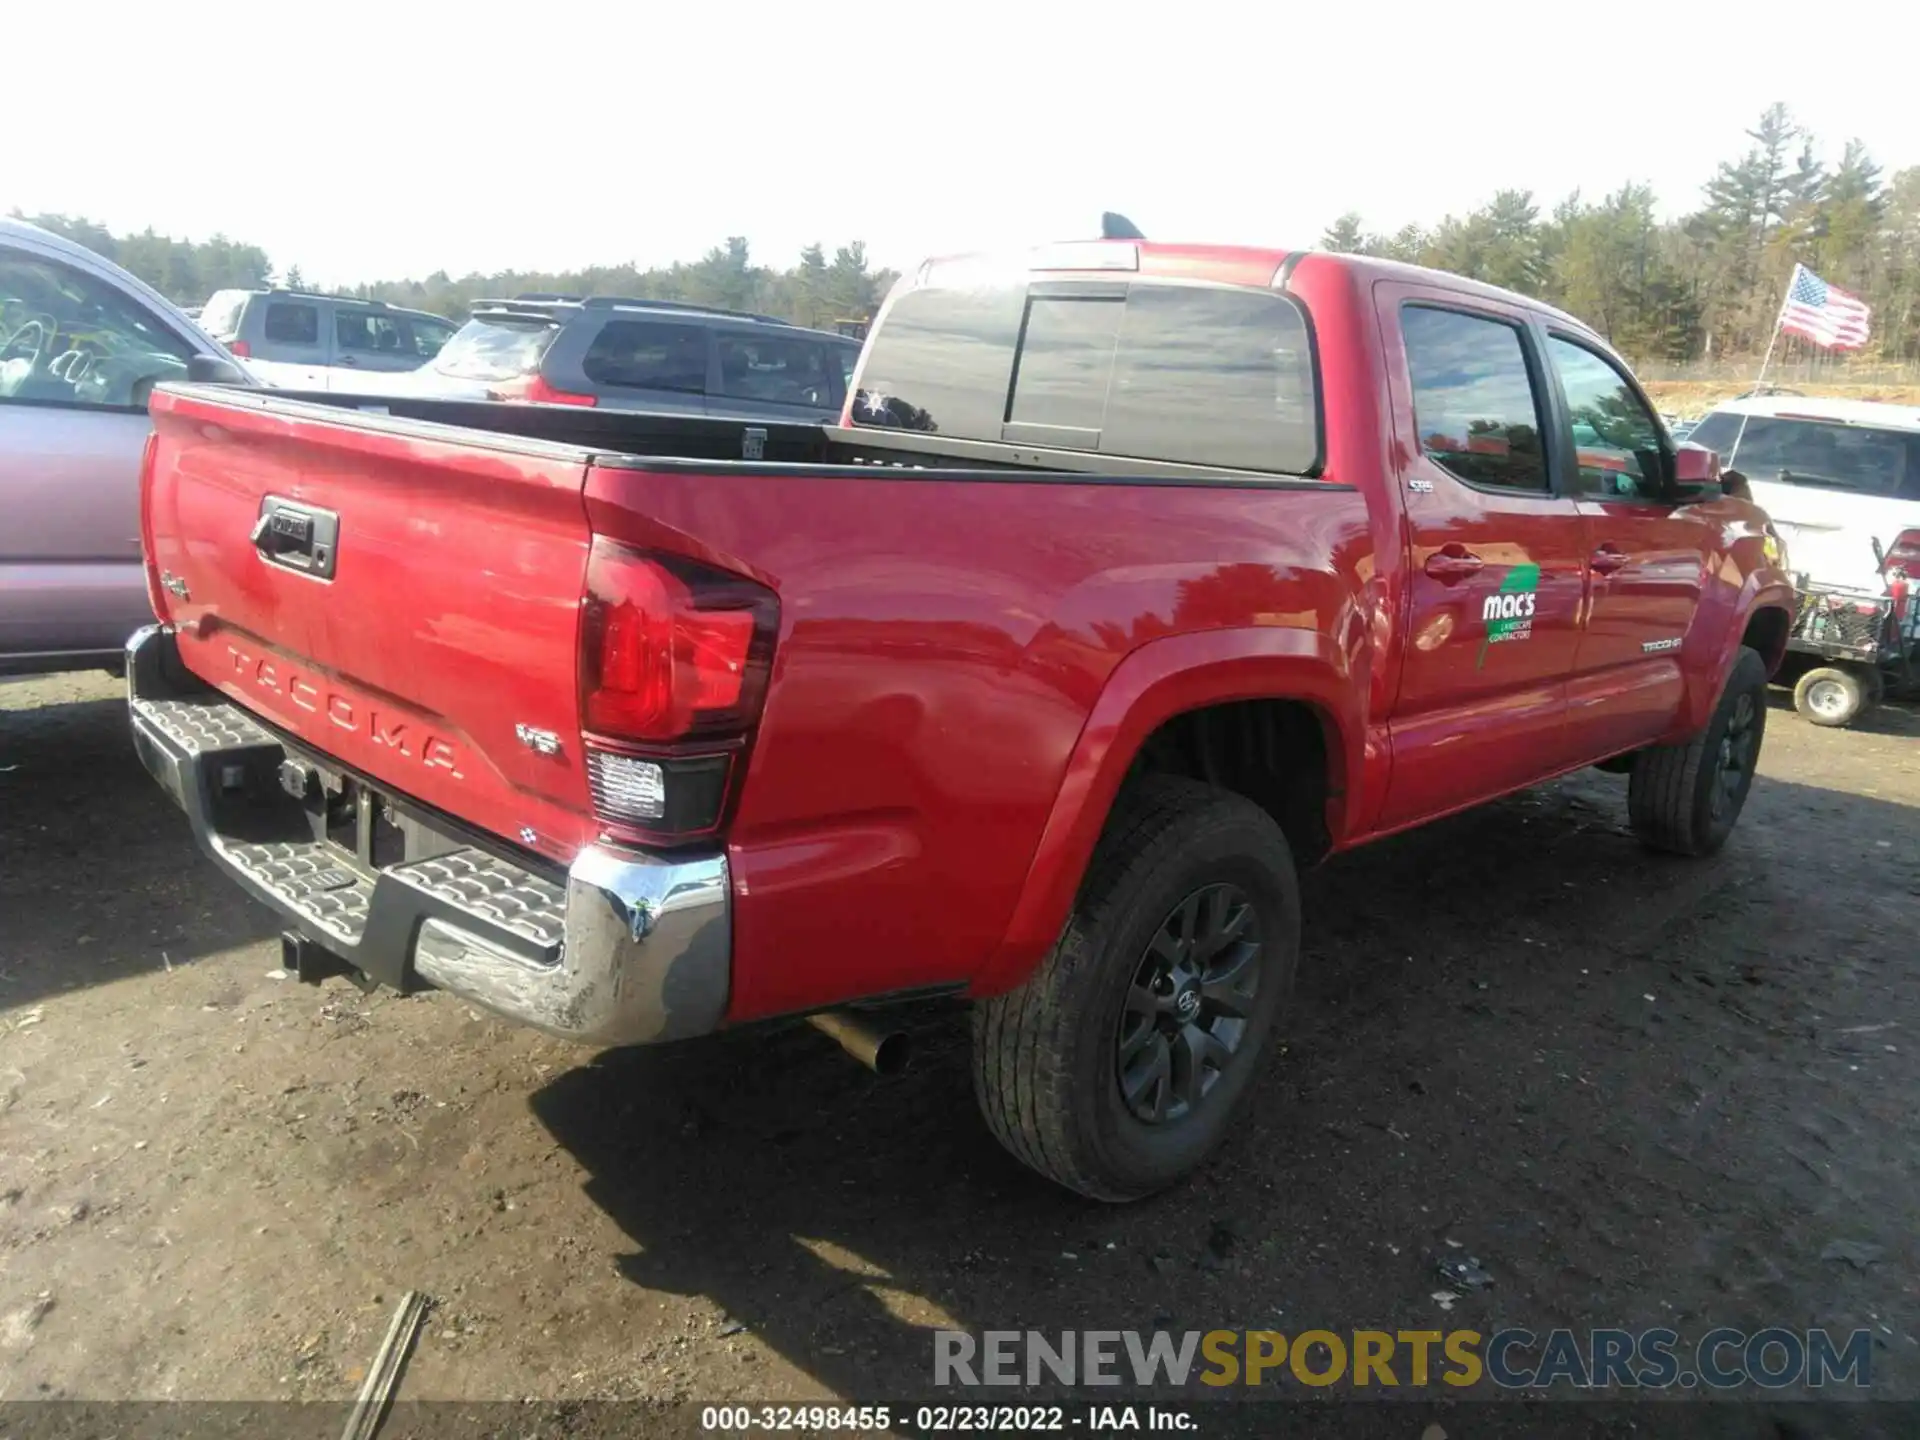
(1640, 1091)
(99, 877)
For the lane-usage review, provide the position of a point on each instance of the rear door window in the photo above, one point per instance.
(496, 348)
(367, 332)
(291, 323)
(1473, 401)
(648, 355)
(1824, 454)
(775, 369)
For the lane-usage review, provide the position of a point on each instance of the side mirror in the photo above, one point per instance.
(1695, 465)
(1693, 472)
(215, 370)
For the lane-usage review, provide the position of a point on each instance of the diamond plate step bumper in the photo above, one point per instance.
(626, 948)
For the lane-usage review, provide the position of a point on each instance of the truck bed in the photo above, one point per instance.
(619, 436)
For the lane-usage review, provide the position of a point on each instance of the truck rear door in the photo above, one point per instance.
(1498, 564)
(402, 597)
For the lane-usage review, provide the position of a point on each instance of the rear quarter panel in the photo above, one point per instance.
(943, 644)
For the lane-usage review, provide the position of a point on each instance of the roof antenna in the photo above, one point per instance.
(1114, 226)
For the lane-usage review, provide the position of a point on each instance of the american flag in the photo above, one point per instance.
(1823, 313)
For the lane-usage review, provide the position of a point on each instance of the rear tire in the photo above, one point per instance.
(1685, 798)
(1833, 696)
(1091, 1073)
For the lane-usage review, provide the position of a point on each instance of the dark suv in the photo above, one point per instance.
(642, 355)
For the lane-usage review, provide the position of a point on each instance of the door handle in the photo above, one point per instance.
(1451, 563)
(348, 360)
(1606, 560)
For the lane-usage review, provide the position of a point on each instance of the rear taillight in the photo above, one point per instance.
(673, 670)
(1900, 566)
(240, 348)
(1903, 555)
(534, 390)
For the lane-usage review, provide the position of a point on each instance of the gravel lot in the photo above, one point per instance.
(1639, 1091)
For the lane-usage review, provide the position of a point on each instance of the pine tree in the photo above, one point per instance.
(1344, 236)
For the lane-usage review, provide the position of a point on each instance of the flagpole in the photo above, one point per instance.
(1778, 316)
(1733, 455)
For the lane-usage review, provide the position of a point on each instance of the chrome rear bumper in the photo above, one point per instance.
(624, 948)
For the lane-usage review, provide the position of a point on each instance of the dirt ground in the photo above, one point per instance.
(1639, 1091)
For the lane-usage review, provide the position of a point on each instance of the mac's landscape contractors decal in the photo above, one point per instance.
(1509, 610)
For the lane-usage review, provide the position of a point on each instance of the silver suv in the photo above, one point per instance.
(301, 341)
(654, 355)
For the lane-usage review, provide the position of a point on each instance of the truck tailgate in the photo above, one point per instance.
(397, 600)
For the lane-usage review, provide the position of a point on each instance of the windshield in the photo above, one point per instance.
(496, 348)
(1829, 454)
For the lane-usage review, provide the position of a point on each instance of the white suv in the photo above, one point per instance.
(301, 341)
(1840, 480)
(1836, 476)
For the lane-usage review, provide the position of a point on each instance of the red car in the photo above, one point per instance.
(1127, 587)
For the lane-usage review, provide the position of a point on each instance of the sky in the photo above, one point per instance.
(385, 141)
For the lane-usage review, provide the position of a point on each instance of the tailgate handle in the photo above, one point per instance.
(297, 536)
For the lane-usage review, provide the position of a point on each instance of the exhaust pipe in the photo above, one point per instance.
(885, 1052)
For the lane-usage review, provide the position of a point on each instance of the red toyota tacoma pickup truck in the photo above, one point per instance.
(1135, 578)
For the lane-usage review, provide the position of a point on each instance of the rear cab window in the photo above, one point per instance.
(1474, 405)
(1201, 375)
(497, 347)
(1818, 453)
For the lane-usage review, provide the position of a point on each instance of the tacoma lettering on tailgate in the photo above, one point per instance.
(314, 695)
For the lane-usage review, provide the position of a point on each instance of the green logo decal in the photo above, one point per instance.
(1509, 610)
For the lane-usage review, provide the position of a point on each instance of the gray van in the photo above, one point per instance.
(655, 355)
(297, 340)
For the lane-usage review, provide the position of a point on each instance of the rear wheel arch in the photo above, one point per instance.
(1205, 697)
